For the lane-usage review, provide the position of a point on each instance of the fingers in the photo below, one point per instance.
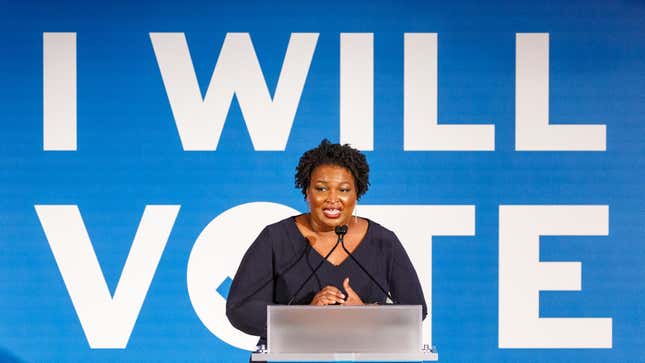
(333, 293)
(329, 295)
(347, 287)
(352, 296)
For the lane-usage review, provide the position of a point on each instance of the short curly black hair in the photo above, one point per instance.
(333, 154)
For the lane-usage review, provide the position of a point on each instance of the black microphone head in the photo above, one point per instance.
(341, 230)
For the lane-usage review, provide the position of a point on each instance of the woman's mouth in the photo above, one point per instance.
(331, 212)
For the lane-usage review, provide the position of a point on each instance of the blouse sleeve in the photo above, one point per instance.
(252, 288)
(404, 282)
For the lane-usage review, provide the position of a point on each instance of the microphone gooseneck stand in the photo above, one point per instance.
(341, 234)
(341, 231)
(342, 243)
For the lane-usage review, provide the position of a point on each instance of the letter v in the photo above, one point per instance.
(106, 321)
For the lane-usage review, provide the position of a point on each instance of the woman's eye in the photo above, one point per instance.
(344, 190)
(321, 189)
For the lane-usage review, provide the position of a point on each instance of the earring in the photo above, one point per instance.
(355, 213)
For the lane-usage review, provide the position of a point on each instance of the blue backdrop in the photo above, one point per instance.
(129, 155)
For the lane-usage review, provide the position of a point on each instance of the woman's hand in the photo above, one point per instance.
(352, 296)
(329, 295)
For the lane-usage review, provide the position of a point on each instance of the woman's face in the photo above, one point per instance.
(331, 196)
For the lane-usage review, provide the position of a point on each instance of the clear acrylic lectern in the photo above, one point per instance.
(344, 333)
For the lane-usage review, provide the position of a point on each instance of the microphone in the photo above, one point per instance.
(341, 231)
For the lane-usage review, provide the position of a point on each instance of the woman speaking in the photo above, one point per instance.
(276, 267)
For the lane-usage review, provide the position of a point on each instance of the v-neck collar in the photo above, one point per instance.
(316, 253)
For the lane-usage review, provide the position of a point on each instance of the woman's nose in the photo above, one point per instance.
(332, 196)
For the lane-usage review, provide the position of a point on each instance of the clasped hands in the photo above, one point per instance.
(330, 295)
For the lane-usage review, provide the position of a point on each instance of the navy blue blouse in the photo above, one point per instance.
(281, 258)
